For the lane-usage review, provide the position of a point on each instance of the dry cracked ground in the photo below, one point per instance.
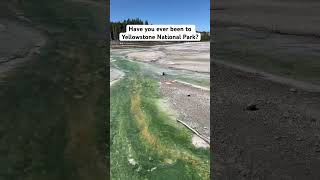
(265, 108)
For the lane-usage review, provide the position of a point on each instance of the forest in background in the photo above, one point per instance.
(120, 26)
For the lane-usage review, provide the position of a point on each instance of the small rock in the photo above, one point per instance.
(299, 139)
(163, 73)
(2, 59)
(285, 115)
(23, 18)
(188, 95)
(252, 107)
(39, 44)
(292, 90)
(78, 96)
(132, 162)
(277, 137)
(37, 52)
(154, 168)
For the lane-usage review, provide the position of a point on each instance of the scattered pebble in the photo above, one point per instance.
(37, 52)
(285, 115)
(132, 161)
(252, 107)
(199, 143)
(154, 168)
(23, 18)
(292, 90)
(277, 137)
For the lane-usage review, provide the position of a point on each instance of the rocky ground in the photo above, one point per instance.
(18, 42)
(191, 104)
(262, 127)
(185, 56)
(281, 16)
(170, 62)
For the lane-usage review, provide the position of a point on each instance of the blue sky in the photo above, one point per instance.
(164, 11)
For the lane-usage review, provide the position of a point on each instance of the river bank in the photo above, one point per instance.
(152, 143)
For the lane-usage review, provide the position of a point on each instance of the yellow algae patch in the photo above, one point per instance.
(170, 153)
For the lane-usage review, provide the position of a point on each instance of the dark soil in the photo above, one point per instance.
(53, 107)
(280, 138)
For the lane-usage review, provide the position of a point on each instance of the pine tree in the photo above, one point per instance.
(120, 26)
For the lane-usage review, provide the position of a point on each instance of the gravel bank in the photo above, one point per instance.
(280, 139)
(192, 105)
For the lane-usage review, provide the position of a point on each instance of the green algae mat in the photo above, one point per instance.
(146, 142)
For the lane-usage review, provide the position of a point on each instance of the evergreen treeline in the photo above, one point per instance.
(205, 36)
(120, 26)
